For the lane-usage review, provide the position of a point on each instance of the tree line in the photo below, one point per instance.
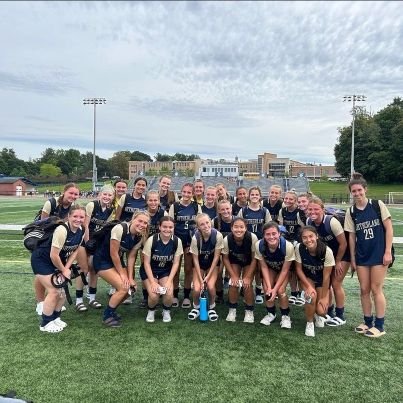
(71, 164)
(378, 147)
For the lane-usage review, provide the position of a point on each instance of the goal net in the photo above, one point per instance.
(395, 197)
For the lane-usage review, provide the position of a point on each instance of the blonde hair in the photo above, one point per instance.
(144, 235)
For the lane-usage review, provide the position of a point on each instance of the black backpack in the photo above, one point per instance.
(52, 209)
(375, 206)
(40, 231)
(100, 234)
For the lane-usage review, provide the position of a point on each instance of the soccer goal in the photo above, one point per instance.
(395, 197)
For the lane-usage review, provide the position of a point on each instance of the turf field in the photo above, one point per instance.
(186, 361)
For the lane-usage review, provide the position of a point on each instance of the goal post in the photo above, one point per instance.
(395, 198)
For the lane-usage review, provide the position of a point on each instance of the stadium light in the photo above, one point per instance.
(353, 99)
(95, 102)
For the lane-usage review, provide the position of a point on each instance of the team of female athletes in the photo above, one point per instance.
(270, 242)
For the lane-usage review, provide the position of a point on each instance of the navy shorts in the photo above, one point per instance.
(158, 274)
(317, 278)
(41, 262)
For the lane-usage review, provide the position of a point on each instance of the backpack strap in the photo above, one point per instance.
(156, 238)
(53, 206)
(326, 221)
(176, 209)
(283, 246)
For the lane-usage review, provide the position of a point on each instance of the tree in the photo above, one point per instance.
(119, 163)
(49, 156)
(139, 156)
(162, 157)
(9, 162)
(50, 170)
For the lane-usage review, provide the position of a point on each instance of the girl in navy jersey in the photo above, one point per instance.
(314, 263)
(289, 217)
(108, 262)
(55, 207)
(370, 239)
(184, 214)
(239, 260)
(167, 196)
(120, 187)
(222, 223)
(210, 202)
(256, 216)
(129, 204)
(302, 203)
(222, 193)
(206, 247)
(274, 255)
(97, 213)
(198, 191)
(57, 255)
(162, 254)
(274, 203)
(332, 233)
(241, 200)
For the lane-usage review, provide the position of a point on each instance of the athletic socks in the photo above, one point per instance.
(258, 290)
(186, 292)
(151, 308)
(271, 309)
(284, 312)
(145, 293)
(294, 294)
(109, 312)
(165, 307)
(56, 314)
(379, 322)
(340, 313)
(46, 319)
(369, 320)
(92, 293)
(176, 293)
(330, 311)
(233, 305)
(249, 307)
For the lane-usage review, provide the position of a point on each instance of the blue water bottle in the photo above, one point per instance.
(203, 306)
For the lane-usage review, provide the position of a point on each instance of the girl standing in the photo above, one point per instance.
(370, 238)
(130, 204)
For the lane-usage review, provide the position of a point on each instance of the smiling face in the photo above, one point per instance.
(309, 239)
(153, 201)
(120, 188)
(238, 229)
(140, 223)
(76, 218)
(302, 203)
(274, 194)
(106, 198)
(187, 193)
(315, 212)
(272, 236)
(210, 196)
(254, 196)
(225, 210)
(290, 200)
(139, 188)
(204, 224)
(198, 189)
(165, 184)
(70, 195)
(242, 196)
(167, 229)
(359, 193)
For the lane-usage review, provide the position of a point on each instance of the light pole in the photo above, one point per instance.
(353, 99)
(95, 102)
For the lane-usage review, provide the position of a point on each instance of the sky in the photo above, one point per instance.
(217, 79)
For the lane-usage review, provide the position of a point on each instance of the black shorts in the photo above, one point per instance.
(158, 274)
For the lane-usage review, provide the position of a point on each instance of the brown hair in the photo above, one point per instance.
(66, 187)
(357, 179)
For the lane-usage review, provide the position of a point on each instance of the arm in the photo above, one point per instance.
(131, 261)
(324, 298)
(214, 264)
(387, 257)
(175, 267)
(309, 290)
(117, 264)
(280, 280)
(234, 277)
(351, 243)
(264, 269)
(249, 272)
(196, 268)
(341, 239)
(147, 267)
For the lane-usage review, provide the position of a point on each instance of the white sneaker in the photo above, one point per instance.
(111, 291)
(60, 323)
(51, 327)
(166, 315)
(336, 321)
(231, 317)
(128, 300)
(39, 308)
(268, 319)
(319, 321)
(259, 299)
(285, 322)
(310, 329)
(249, 317)
(150, 317)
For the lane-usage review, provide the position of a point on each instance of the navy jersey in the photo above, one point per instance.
(98, 217)
(370, 236)
(153, 226)
(131, 206)
(40, 258)
(210, 211)
(255, 220)
(206, 249)
(236, 208)
(241, 254)
(102, 256)
(162, 256)
(185, 223)
(312, 266)
(290, 222)
(325, 232)
(274, 260)
(273, 210)
(222, 226)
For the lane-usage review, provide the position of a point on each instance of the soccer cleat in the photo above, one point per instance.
(150, 316)
(249, 317)
(51, 327)
(259, 299)
(231, 317)
(336, 321)
(166, 316)
(39, 308)
(310, 329)
(319, 321)
(285, 322)
(60, 323)
(292, 299)
(128, 300)
(268, 319)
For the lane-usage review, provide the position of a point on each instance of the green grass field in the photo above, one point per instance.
(186, 361)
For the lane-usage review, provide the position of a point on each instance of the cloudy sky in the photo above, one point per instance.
(218, 79)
